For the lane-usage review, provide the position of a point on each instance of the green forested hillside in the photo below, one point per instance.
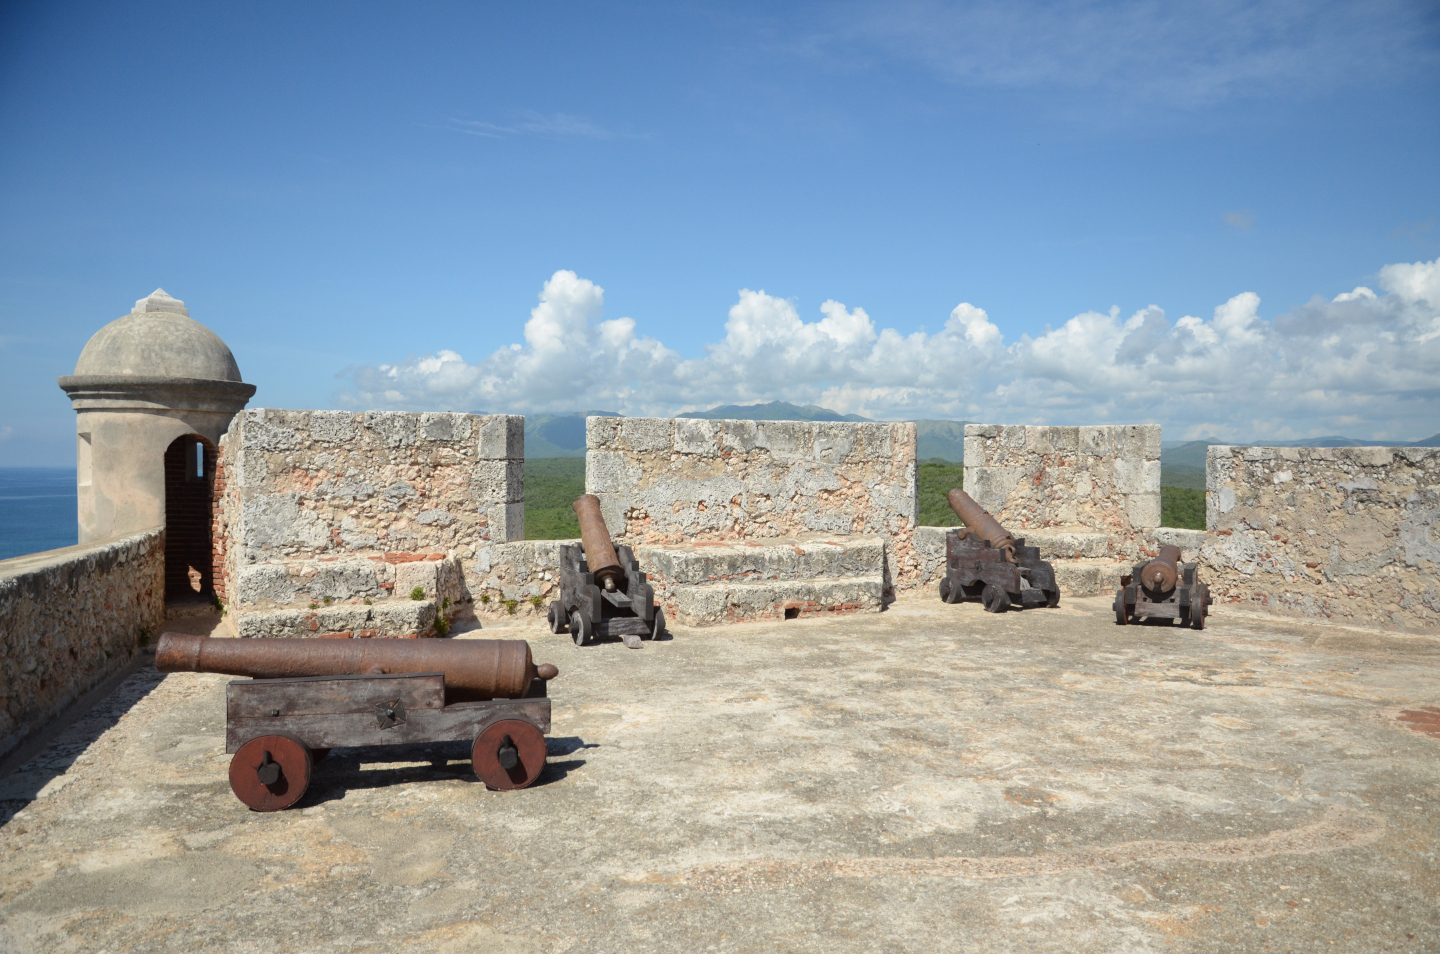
(935, 479)
(551, 486)
(1182, 507)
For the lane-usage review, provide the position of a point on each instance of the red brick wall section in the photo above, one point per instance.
(187, 519)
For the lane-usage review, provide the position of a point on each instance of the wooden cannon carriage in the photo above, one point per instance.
(603, 592)
(1161, 590)
(309, 696)
(984, 562)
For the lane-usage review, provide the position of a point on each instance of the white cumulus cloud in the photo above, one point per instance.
(1362, 363)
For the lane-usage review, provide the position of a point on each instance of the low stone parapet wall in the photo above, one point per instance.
(1103, 479)
(683, 480)
(700, 584)
(331, 520)
(68, 619)
(1344, 533)
(515, 579)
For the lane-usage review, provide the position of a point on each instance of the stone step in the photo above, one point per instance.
(707, 604)
(1068, 545)
(402, 618)
(1052, 544)
(1089, 577)
(273, 586)
(808, 559)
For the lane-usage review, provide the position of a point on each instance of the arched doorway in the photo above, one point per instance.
(189, 478)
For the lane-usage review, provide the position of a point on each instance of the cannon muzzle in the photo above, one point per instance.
(599, 549)
(1160, 574)
(978, 519)
(475, 669)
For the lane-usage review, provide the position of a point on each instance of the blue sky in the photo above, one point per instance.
(365, 201)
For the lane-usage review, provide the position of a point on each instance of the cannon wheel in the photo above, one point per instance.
(1052, 598)
(581, 629)
(1122, 615)
(659, 628)
(556, 618)
(1198, 608)
(995, 599)
(516, 768)
(945, 589)
(271, 772)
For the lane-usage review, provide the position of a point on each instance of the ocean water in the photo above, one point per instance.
(37, 510)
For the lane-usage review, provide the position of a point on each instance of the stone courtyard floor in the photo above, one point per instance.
(932, 778)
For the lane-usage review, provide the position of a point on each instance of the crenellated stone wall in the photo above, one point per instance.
(667, 481)
(333, 519)
(71, 617)
(1103, 479)
(1345, 533)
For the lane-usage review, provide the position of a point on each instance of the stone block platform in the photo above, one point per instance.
(700, 584)
(351, 597)
(928, 779)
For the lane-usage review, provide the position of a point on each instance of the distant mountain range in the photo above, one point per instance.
(558, 435)
(774, 411)
(1182, 463)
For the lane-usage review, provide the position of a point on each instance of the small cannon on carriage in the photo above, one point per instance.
(602, 590)
(1163, 589)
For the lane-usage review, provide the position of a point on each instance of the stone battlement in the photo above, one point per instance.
(364, 509)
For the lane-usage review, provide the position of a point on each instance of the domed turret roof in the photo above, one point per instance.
(158, 339)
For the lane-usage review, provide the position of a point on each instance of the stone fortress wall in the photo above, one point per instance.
(751, 519)
(330, 520)
(1344, 533)
(68, 619)
(326, 521)
(748, 519)
(1092, 479)
(673, 480)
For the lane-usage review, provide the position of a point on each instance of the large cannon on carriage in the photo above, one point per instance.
(307, 696)
(984, 562)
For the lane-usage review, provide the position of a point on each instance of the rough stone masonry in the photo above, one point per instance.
(1350, 533)
(1104, 479)
(671, 480)
(71, 617)
(831, 505)
(334, 519)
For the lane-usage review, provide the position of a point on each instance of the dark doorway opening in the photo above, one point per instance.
(189, 477)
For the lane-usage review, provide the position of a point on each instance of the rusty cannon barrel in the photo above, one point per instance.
(599, 549)
(1160, 574)
(978, 519)
(475, 669)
